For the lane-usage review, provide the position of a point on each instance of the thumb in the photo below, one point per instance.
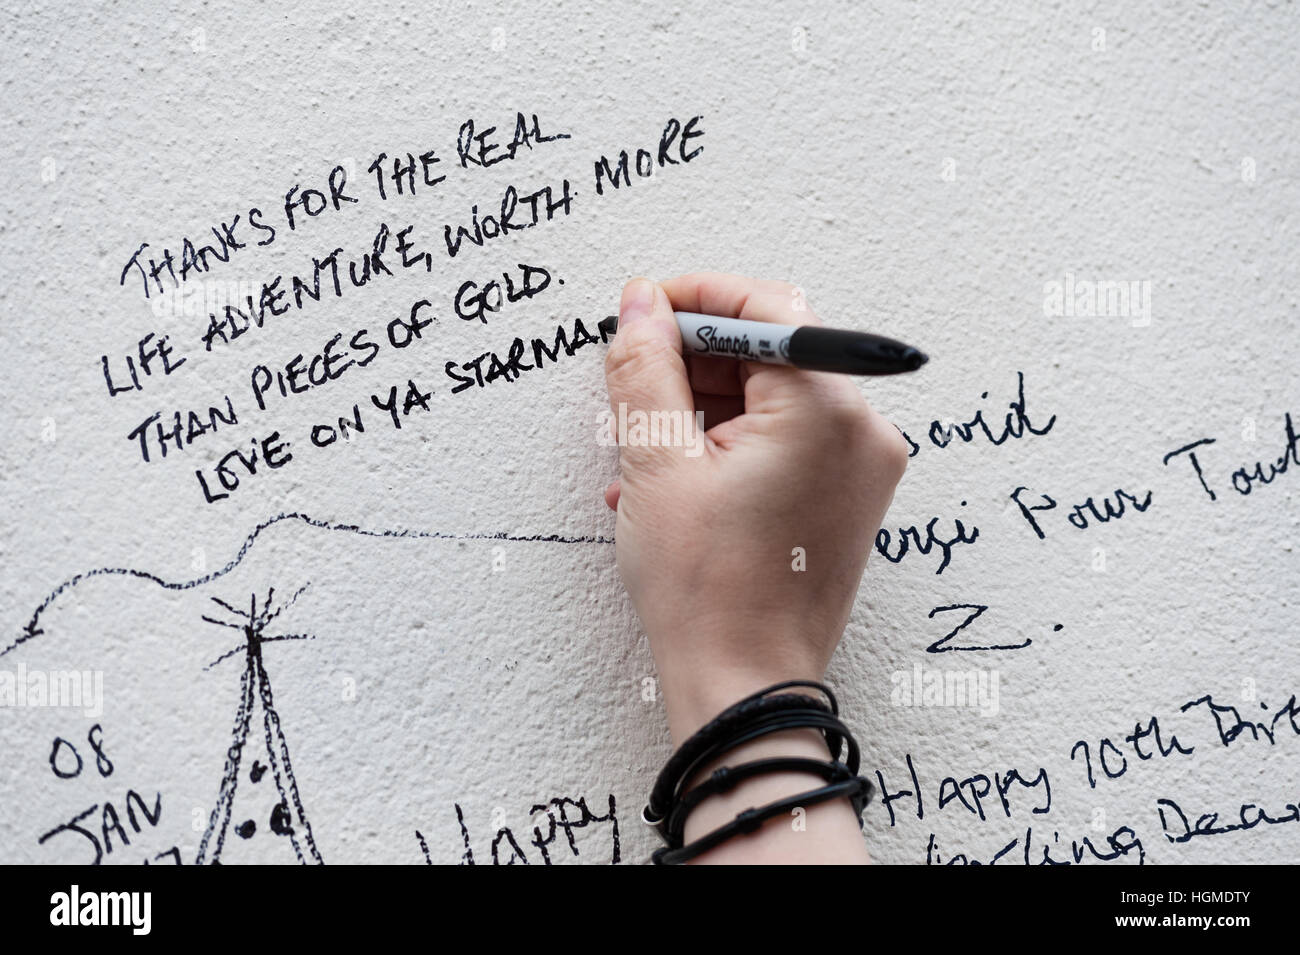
(644, 369)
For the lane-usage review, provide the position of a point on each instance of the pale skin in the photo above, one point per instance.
(706, 544)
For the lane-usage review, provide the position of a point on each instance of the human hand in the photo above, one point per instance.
(709, 544)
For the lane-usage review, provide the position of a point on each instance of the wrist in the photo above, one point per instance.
(694, 699)
(828, 830)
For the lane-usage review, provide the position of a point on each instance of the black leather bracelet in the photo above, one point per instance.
(751, 819)
(757, 715)
(834, 732)
(725, 778)
(721, 728)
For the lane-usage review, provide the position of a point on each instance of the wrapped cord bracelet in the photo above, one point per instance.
(721, 727)
(751, 819)
(759, 714)
(725, 778)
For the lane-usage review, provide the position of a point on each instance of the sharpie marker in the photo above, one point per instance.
(813, 347)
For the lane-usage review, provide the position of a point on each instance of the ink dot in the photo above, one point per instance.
(1059, 626)
(281, 821)
(984, 395)
(561, 281)
(963, 503)
(246, 829)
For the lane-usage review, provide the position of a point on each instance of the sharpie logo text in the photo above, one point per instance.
(713, 343)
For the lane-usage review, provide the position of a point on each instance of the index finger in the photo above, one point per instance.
(738, 296)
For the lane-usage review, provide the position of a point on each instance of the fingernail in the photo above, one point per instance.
(637, 302)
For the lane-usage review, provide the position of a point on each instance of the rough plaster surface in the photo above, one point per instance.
(923, 170)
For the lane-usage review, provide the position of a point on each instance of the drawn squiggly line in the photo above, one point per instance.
(32, 629)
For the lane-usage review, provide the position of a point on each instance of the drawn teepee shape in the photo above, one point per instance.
(258, 754)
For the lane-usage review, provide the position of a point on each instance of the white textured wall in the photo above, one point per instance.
(921, 170)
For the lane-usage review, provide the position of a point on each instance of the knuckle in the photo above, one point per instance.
(851, 414)
(867, 430)
(895, 452)
(632, 356)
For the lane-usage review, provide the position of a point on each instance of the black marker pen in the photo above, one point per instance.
(812, 347)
